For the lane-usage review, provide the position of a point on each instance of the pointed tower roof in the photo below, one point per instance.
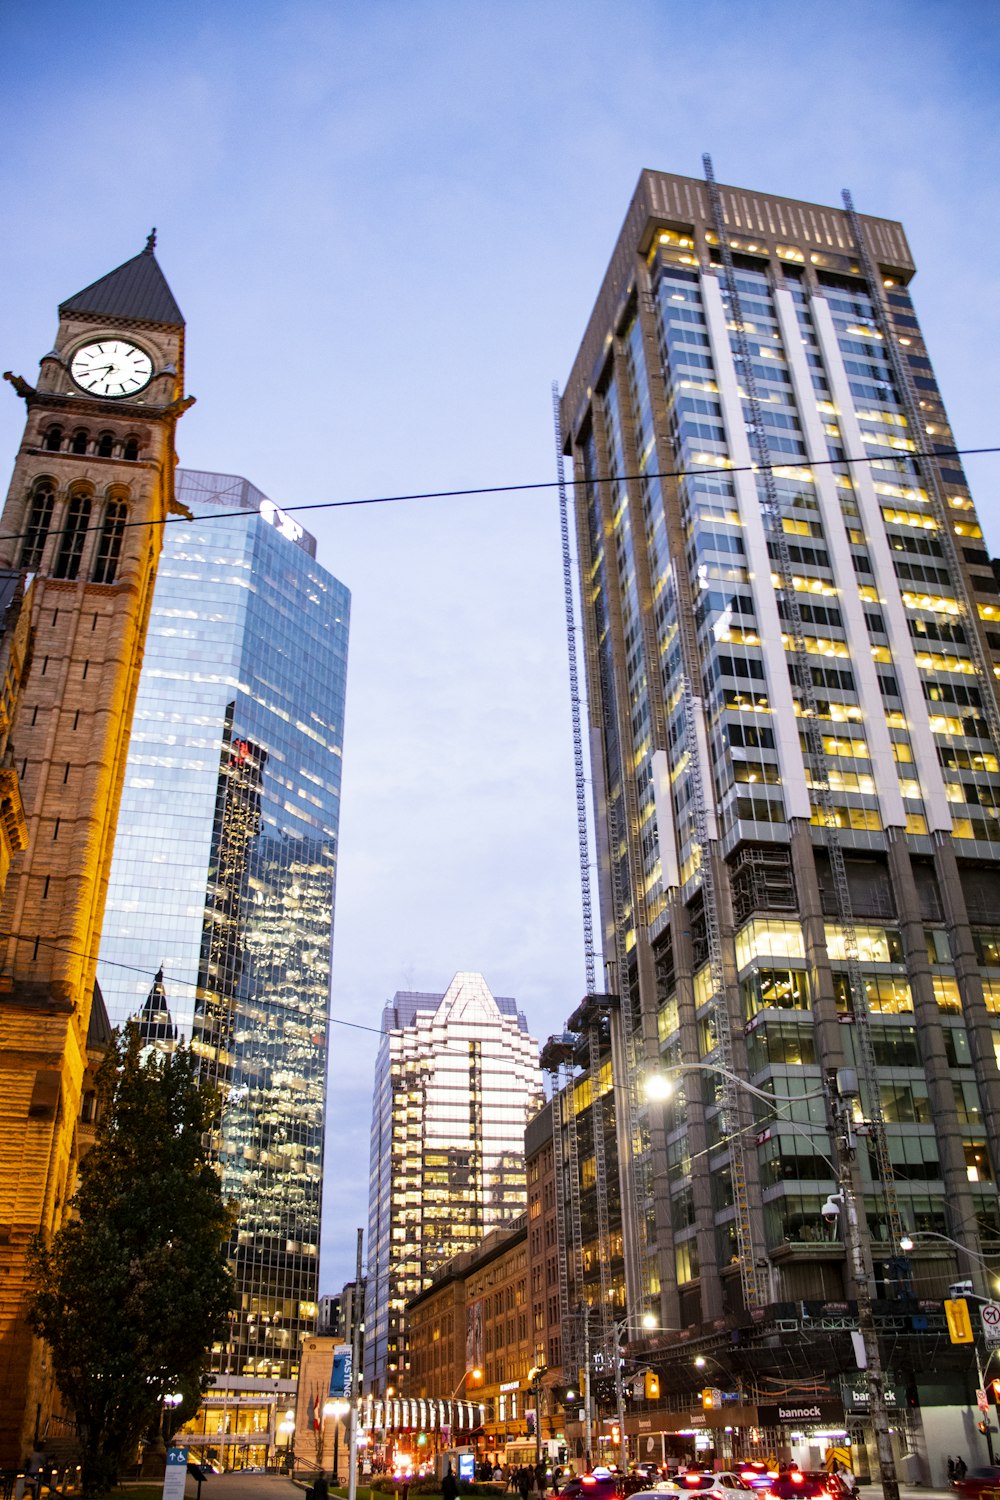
(156, 1024)
(137, 291)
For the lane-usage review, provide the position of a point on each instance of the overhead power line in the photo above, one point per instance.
(553, 484)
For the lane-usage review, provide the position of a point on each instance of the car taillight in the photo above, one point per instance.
(588, 1479)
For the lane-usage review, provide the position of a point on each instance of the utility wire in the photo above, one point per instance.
(552, 484)
(176, 981)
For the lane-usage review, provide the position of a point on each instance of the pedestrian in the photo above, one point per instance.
(951, 1468)
(540, 1476)
(525, 1479)
(449, 1485)
(847, 1479)
(961, 1469)
(320, 1488)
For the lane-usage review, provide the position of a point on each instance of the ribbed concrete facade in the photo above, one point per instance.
(792, 636)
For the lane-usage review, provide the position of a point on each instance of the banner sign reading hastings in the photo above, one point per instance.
(800, 1413)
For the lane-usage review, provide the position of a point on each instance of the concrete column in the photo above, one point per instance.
(695, 1089)
(970, 984)
(937, 1069)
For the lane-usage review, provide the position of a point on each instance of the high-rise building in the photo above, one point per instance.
(224, 873)
(93, 484)
(792, 637)
(456, 1080)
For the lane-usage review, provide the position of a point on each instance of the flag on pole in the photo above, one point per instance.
(316, 1417)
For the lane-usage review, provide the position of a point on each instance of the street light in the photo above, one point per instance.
(338, 1409)
(171, 1401)
(287, 1427)
(907, 1243)
(535, 1376)
(476, 1374)
(841, 1088)
(650, 1324)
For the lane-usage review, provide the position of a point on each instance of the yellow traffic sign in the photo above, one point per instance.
(956, 1310)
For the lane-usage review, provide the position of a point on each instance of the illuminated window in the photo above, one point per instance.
(768, 939)
(874, 944)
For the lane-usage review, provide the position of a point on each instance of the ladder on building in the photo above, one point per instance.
(592, 1028)
(579, 770)
(810, 725)
(557, 1059)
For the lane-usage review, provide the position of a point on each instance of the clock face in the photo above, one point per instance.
(111, 368)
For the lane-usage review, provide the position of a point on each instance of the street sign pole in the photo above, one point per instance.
(175, 1474)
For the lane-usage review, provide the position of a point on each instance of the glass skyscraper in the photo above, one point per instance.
(224, 871)
(456, 1081)
(792, 638)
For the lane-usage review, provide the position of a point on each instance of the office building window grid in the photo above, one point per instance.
(665, 441)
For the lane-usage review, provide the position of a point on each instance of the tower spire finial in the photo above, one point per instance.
(151, 241)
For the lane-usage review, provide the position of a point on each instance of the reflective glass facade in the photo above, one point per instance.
(224, 871)
(456, 1081)
(711, 641)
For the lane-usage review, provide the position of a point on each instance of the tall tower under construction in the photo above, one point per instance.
(791, 632)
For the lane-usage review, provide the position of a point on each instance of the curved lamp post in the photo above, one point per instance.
(907, 1243)
(840, 1090)
(475, 1373)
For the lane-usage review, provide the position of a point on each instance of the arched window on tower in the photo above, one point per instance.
(110, 545)
(79, 443)
(105, 445)
(43, 499)
(131, 449)
(74, 536)
(52, 441)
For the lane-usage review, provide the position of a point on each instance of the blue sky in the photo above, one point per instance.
(386, 223)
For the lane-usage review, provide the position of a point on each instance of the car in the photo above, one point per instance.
(805, 1484)
(600, 1485)
(756, 1473)
(975, 1481)
(712, 1486)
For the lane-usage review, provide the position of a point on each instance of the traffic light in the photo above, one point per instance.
(956, 1310)
(708, 1398)
(652, 1385)
(993, 1391)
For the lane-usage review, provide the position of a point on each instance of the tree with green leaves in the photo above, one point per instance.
(131, 1292)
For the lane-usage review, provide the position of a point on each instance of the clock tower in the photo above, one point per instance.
(92, 487)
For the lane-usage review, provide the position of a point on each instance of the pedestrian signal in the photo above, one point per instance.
(652, 1385)
(956, 1310)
